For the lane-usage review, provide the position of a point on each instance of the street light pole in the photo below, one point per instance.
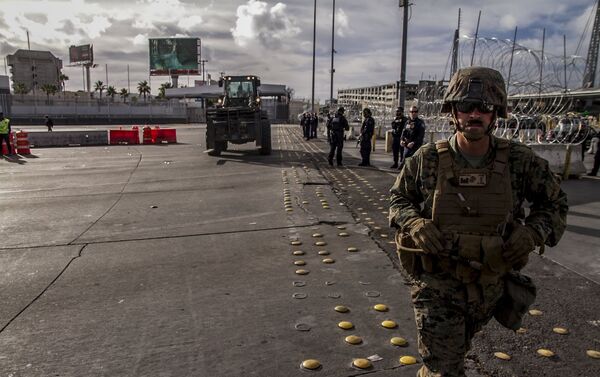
(402, 95)
(312, 98)
(332, 52)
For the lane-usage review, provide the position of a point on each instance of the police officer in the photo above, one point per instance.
(314, 125)
(413, 134)
(5, 133)
(398, 125)
(366, 134)
(461, 237)
(335, 135)
(305, 124)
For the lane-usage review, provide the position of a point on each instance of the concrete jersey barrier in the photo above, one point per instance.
(67, 138)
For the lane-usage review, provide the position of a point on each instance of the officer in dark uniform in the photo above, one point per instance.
(335, 136)
(314, 124)
(366, 134)
(305, 123)
(398, 125)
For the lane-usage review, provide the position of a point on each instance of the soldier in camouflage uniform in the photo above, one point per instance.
(462, 231)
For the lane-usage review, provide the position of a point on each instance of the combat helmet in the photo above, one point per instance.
(477, 84)
(341, 110)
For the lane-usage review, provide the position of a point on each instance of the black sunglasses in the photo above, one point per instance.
(468, 107)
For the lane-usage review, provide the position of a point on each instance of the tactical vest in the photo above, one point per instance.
(4, 125)
(336, 125)
(470, 208)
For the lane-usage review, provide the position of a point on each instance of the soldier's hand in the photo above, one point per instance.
(521, 242)
(426, 236)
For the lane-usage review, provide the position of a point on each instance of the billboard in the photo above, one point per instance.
(174, 56)
(81, 54)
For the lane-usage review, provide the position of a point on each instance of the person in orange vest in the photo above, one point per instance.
(4, 133)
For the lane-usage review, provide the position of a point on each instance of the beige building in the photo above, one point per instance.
(385, 95)
(34, 68)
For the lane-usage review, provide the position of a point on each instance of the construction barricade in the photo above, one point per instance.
(147, 135)
(23, 143)
(163, 135)
(11, 139)
(121, 136)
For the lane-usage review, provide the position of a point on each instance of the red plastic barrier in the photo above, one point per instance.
(123, 137)
(12, 143)
(147, 135)
(164, 135)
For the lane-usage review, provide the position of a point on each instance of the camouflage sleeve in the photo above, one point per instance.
(406, 196)
(548, 208)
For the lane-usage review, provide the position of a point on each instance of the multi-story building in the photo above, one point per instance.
(34, 68)
(385, 95)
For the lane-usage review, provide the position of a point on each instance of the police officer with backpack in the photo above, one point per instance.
(335, 136)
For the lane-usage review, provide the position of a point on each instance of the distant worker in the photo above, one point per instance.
(413, 134)
(335, 136)
(49, 123)
(366, 134)
(398, 125)
(463, 232)
(5, 134)
(314, 125)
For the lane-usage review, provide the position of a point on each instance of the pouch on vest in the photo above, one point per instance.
(494, 265)
(469, 249)
(519, 294)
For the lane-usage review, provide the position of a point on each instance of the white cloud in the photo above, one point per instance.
(140, 40)
(189, 23)
(508, 21)
(257, 23)
(342, 23)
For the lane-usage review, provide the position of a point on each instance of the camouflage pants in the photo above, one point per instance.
(447, 319)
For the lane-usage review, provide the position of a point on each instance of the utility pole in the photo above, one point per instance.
(332, 53)
(312, 97)
(402, 95)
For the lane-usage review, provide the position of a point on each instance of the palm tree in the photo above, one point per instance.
(49, 89)
(143, 88)
(62, 78)
(163, 87)
(124, 94)
(20, 88)
(99, 87)
(111, 91)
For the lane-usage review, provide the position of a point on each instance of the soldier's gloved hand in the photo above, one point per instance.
(521, 242)
(426, 236)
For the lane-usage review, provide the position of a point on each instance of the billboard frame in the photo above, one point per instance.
(90, 61)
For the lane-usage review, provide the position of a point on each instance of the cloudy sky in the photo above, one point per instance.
(273, 39)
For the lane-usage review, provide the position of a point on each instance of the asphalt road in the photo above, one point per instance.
(164, 261)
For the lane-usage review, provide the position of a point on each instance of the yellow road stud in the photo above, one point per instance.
(535, 312)
(317, 235)
(328, 261)
(560, 330)
(296, 243)
(311, 364)
(299, 263)
(320, 243)
(521, 330)
(398, 341)
(407, 360)
(298, 252)
(388, 324)
(362, 363)
(323, 252)
(346, 325)
(352, 249)
(343, 234)
(341, 309)
(341, 227)
(353, 339)
(593, 354)
(544, 352)
(381, 307)
(302, 272)
(502, 355)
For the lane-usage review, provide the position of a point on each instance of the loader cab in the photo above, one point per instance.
(240, 91)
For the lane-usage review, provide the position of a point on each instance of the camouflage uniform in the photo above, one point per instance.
(446, 319)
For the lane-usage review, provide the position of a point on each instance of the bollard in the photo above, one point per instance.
(388, 141)
(567, 166)
(147, 135)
